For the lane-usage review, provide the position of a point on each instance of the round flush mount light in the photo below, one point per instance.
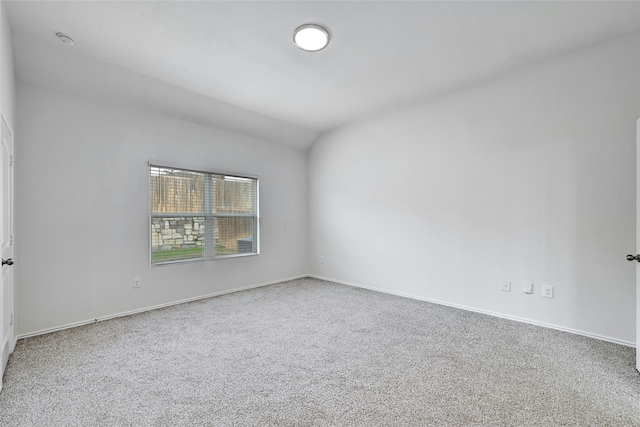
(311, 37)
(65, 39)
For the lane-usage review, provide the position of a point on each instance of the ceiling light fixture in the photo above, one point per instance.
(311, 37)
(66, 39)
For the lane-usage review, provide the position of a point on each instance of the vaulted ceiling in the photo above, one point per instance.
(233, 63)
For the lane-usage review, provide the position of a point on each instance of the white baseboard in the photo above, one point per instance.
(154, 307)
(478, 310)
(342, 282)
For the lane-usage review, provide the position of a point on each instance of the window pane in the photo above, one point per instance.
(177, 239)
(234, 195)
(176, 191)
(201, 215)
(235, 236)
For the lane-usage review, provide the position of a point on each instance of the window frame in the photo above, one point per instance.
(210, 217)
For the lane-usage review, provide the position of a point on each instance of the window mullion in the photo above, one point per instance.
(209, 240)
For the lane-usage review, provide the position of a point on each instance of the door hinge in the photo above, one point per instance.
(11, 320)
(11, 240)
(11, 160)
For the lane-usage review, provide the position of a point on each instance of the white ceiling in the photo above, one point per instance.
(240, 55)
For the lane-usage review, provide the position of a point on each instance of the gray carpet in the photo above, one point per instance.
(313, 353)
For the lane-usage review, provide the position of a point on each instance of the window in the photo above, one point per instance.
(201, 215)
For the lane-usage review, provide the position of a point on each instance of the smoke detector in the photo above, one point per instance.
(65, 39)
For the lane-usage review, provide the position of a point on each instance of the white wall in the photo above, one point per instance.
(527, 177)
(7, 72)
(82, 208)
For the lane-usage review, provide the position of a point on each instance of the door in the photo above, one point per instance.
(6, 245)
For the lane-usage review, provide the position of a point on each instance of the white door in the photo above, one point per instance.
(638, 244)
(6, 245)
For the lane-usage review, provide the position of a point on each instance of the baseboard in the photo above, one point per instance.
(154, 307)
(487, 312)
(342, 282)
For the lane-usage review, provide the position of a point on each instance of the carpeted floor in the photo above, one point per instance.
(313, 353)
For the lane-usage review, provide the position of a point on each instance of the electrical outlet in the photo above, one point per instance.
(547, 291)
(136, 282)
(506, 286)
